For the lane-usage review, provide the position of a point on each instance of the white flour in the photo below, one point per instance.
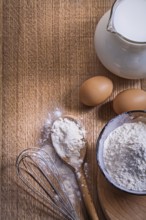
(69, 180)
(125, 155)
(68, 138)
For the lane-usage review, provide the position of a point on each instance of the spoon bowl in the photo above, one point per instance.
(69, 158)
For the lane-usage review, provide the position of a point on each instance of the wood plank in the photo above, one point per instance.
(120, 205)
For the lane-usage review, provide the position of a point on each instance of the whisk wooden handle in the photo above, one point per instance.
(86, 194)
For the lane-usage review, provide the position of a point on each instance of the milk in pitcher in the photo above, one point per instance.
(130, 20)
(120, 39)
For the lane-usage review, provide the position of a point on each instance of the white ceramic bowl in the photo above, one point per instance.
(127, 117)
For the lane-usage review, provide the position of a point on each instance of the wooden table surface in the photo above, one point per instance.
(47, 52)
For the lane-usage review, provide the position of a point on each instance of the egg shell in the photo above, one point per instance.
(95, 90)
(130, 99)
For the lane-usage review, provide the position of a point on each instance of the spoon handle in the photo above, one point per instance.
(86, 194)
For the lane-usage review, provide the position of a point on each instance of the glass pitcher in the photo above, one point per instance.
(120, 39)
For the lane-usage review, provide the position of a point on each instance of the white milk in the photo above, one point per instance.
(130, 20)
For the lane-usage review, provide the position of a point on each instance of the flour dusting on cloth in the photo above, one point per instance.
(68, 177)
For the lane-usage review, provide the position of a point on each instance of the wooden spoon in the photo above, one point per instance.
(78, 171)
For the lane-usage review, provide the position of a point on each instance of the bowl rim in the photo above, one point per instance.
(98, 152)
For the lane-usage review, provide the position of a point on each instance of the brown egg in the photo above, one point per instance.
(95, 90)
(130, 99)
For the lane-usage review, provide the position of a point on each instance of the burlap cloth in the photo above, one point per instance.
(47, 52)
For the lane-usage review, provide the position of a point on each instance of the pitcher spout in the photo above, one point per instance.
(110, 25)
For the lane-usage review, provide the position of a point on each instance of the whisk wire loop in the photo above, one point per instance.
(38, 171)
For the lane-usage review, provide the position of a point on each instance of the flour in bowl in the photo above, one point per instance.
(125, 155)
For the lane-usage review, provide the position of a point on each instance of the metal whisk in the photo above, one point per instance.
(38, 171)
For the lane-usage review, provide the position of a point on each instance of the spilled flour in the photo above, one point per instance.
(68, 177)
(125, 155)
